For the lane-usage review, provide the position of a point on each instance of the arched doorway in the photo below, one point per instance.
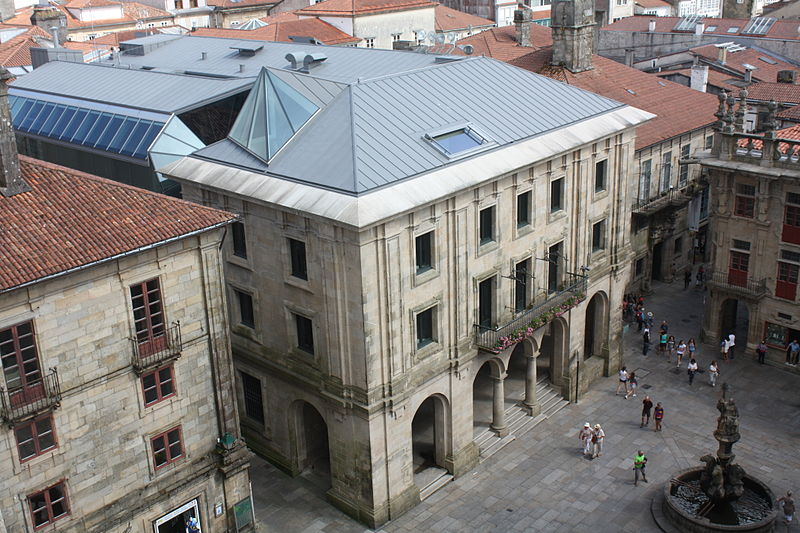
(482, 395)
(595, 334)
(515, 375)
(313, 452)
(429, 439)
(551, 362)
(734, 318)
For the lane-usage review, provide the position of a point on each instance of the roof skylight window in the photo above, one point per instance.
(710, 29)
(733, 29)
(457, 142)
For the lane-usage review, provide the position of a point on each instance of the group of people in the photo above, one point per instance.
(592, 439)
(700, 277)
(658, 415)
(627, 382)
(727, 345)
(632, 305)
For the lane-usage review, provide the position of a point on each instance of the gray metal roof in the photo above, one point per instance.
(372, 133)
(139, 89)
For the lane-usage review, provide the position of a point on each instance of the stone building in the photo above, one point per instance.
(755, 254)
(117, 377)
(413, 258)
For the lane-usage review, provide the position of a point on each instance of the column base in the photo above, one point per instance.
(501, 431)
(532, 409)
(463, 460)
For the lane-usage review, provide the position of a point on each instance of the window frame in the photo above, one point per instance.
(683, 175)
(422, 342)
(35, 437)
(170, 459)
(490, 217)
(602, 185)
(158, 385)
(666, 172)
(744, 202)
(239, 239)
(298, 262)
(238, 293)
(150, 330)
(645, 177)
(427, 250)
(599, 236)
(521, 281)
(245, 376)
(558, 184)
(26, 379)
(300, 331)
(525, 198)
(49, 504)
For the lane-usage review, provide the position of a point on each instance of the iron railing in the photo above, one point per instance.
(744, 287)
(489, 338)
(157, 350)
(670, 198)
(37, 396)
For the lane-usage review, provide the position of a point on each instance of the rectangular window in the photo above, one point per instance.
(486, 302)
(305, 333)
(745, 200)
(557, 195)
(167, 447)
(423, 245)
(178, 4)
(599, 236)
(684, 175)
(425, 328)
(644, 180)
(738, 268)
(776, 335)
(678, 245)
(148, 317)
(638, 267)
(297, 253)
(666, 171)
(395, 37)
(246, 315)
(791, 219)
(35, 437)
(487, 225)
(20, 362)
(158, 385)
(709, 142)
(239, 242)
(48, 505)
(369, 43)
(704, 196)
(524, 209)
(786, 284)
(600, 168)
(253, 400)
(741, 245)
(521, 279)
(554, 270)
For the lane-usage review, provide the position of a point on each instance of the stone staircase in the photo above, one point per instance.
(518, 421)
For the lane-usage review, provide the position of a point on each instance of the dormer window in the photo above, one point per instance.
(457, 142)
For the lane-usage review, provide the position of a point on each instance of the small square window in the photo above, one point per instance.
(557, 195)
(599, 236)
(158, 385)
(524, 209)
(239, 241)
(253, 399)
(246, 314)
(167, 447)
(297, 252)
(369, 43)
(425, 328)
(35, 437)
(600, 169)
(487, 225)
(709, 142)
(305, 333)
(424, 252)
(49, 505)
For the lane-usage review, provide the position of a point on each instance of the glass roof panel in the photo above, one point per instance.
(298, 109)
(15, 102)
(456, 141)
(82, 130)
(279, 130)
(33, 112)
(39, 121)
(135, 138)
(147, 140)
(97, 130)
(60, 129)
(22, 112)
(111, 130)
(122, 135)
(49, 125)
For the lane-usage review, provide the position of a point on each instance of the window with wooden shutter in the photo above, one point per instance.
(148, 316)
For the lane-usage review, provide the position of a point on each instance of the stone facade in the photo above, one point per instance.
(353, 394)
(103, 456)
(755, 251)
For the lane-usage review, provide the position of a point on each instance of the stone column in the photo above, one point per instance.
(498, 407)
(531, 402)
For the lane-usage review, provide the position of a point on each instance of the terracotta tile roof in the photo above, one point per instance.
(448, 19)
(679, 109)
(139, 11)
(501, 43)
(280, 17)
(281, 31)
(70, 219)
(782, 29)
(80, 4)
(791, 133)
(362, 7)
(16, 52)
(765, 70)
(234, 4)
(793, 113)
(715, 78)
(20, 18)
(786, 93)
(132, 11)
(652, 3)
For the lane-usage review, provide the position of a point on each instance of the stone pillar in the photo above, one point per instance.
(531, 402)
(498, 407)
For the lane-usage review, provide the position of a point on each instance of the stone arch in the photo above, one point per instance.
(483, 391)
(553, 360)
(311, 440)
(735, 316)
(516, 364)
(431, 436)
(595, 332)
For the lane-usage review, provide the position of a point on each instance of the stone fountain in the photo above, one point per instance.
(718, 496)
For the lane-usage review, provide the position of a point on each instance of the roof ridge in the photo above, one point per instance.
(457, 60)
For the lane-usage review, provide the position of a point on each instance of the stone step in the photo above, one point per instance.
(443, 479)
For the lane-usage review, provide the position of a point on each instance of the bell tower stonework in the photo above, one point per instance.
(573, 24)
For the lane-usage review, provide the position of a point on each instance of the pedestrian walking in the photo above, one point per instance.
(787, 502)
(713, 373)
(650, 319)
(701, 274)
(792, 352)
(731, 345)
(662, 342)
(723, 348)
(761, 351)
(632, 384)
(647, 404)
(664, 327)
(692, 370)
(640, 318)
(597, 439)
(623, 381)
(670, 347)
(692, 346)
(680, 351)
(687, 278)
(585, 435)
(658, 416)
(646, 341)
(639, 463)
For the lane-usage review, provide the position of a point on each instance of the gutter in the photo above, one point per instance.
(117, 256)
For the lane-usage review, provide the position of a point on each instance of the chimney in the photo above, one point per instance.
(572, 27)
(787, 76)
(722, 56)
(651, 26)
(50, 19)
(11, 181)
(699, 79)
(629, 54)
(699, 28)
(522, 21)
(748, 75)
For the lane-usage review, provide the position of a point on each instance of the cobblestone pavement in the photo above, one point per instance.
(540, 482)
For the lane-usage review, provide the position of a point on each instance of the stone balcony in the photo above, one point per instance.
(38, 396)
(744, 287)
(673, 198)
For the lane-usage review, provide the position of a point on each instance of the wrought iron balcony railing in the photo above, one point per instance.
(540, 314)
(31, 399)
(736, 283)
(670, 198)
(157, 349)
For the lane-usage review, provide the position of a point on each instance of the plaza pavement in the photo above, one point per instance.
(540, 482)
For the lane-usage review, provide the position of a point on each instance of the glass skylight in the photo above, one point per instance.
(456, 142)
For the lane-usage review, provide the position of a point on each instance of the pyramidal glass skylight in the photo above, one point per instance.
(271, 115)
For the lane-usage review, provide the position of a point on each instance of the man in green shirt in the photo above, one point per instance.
(639, 463)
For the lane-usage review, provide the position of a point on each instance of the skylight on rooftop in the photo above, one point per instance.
(457, 142)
